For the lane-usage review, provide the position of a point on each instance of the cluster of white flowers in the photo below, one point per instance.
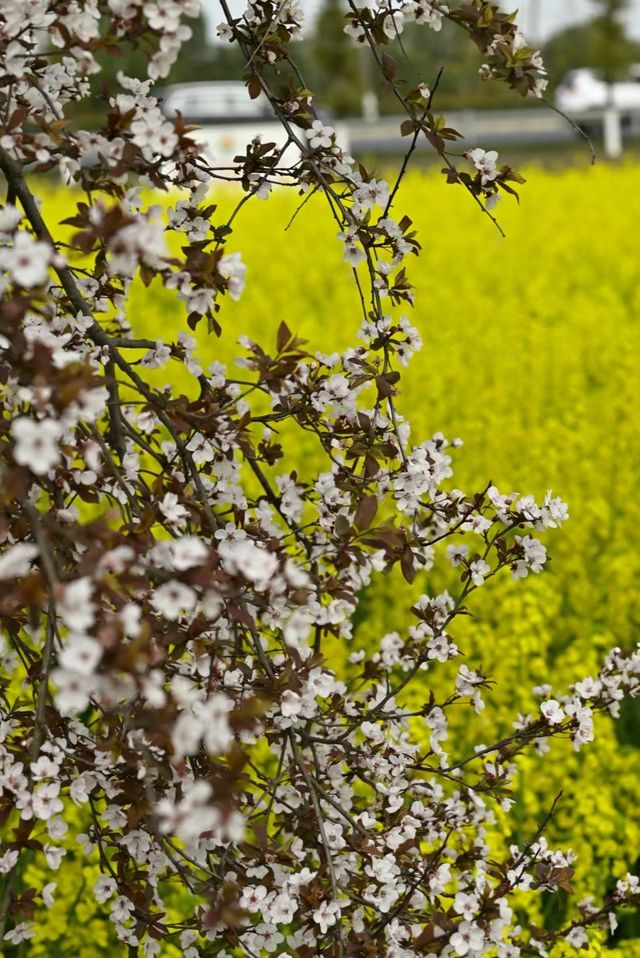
(429, 13)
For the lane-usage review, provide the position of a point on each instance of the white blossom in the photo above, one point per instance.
(36, 443)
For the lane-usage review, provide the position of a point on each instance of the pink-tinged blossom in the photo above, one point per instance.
(457, 554)
(10, 216)
(47, 894)
(371, 194)
(485, 163)
(319, 135)
(157, 357)
(393, 25)
(54, 855)
(353, 250)
(534, 556)
(552, 711)
(468, 939)
(252, 897)
(81, 787)
(174, 600)
(466, 680)
(429, 14)
(479, 570)
(46, 801)
(234, 271)
(121, 908)
(72, 691)
(173, 510)
(188, 552)
(15, 561)
(27, 261)
(23, 931)
(75, 605)
(466, 905)
(81, 654)
(578, 938)
(154, 137)
(192, 815)
(208, 723)
(356, 31)
(140, 242)
(282, 909)
(8, 861)
(254, 562)
(326, 915)
(290, 704)
(36, 443)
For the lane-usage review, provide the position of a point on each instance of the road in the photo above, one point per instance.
(539, 126)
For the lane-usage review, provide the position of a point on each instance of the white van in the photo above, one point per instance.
(584, 90)
(223, 101)
(228, 119)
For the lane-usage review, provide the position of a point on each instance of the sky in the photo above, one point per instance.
(538, 18)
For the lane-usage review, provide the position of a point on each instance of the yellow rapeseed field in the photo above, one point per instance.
(531, 355)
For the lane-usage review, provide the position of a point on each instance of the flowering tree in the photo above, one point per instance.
(171, 586)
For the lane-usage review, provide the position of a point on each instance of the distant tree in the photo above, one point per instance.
(602, 43)
(568, 50)
(199, 57)
(335, 62)
(613, 49)
(224, 63)
(200, 60)
(422, 55)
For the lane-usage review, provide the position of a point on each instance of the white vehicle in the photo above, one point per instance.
(585, 90)
(226, 115)
(223, 101)
(228, 119)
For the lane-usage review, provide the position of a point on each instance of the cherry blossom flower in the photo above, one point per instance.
(255, 563)
(326, 915)
(174, 599)
(10, 216)
(319, 135)
(16, 560)
(187, 552)
(282, 909)
(174, 512)
(47, 893)
(552, 712)
(234, 271)
(36, 443)
(356, 31)
(53, 856)
(8, 861)
(81, 654)
(468, 939)
(478, 570)
(75, 604)
(533, 558)
(72, 692)
(23, 931)
(485, 163)
(252, 897)
(27, 260)
(578, 938)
